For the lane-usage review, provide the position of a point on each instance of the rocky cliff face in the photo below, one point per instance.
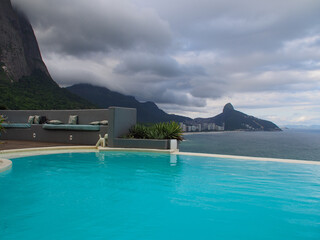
(19, 51)
(25, 82)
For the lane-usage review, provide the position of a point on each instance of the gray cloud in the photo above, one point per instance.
(156, 65)
(161, 90)
(187, 56)
(80, 27)
(239, 26)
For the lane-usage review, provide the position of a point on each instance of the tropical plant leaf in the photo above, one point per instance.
(167, 130)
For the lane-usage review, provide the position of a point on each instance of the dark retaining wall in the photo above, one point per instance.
(37, 134)
(146, 143)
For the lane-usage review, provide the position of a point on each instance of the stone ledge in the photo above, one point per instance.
(169, 151)
(249, 158)
(5, 165)
(67, 149)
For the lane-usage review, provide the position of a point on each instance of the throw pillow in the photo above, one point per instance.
(95, 123)
(73, 119)
(30, 119)
(36, 119)
(54, 122)
(104, 122)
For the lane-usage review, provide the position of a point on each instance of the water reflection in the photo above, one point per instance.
(173, 160)
(101, 158)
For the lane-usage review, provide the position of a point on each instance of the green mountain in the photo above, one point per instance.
(37, 91)
(25, 82)
(147, 112)
(232, 120)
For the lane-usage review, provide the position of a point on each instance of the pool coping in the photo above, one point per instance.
(262, 159)
(5, 165)
(15, 153)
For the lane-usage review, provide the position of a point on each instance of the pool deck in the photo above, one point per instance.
(14, 144)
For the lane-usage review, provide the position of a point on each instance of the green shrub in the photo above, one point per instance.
(138, 131)
(168, 130)
(1, 121)
(3, 107)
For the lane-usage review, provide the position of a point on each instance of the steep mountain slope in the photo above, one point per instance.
(19, 51)
(25, 82)
(232, 120)
(147, 112)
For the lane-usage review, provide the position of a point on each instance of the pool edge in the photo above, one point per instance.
(14, 153)
(5, 165)
(249, 158)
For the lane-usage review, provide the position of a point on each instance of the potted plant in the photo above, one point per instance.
(166, 130)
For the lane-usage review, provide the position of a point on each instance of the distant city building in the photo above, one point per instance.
(193, 128)
(184, 128)
(201, 127)
(211, 127)
(204, 127)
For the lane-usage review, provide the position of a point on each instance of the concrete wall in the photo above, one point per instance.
(85, 116)
(146, 143)
(120, 121)
(37, 134)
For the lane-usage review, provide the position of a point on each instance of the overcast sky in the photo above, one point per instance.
(189, 56)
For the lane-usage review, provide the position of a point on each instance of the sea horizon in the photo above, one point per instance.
(299, 144)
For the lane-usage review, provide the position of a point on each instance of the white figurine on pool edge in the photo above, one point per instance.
(103, 141)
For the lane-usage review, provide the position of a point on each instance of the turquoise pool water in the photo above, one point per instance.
(118, 195)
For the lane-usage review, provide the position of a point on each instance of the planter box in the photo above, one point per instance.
(171, 144)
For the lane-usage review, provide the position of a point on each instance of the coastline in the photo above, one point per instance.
(194, 133)
(219, 132)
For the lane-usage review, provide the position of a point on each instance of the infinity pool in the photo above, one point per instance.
(119, 195)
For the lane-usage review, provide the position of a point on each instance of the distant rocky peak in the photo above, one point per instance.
(228, 107)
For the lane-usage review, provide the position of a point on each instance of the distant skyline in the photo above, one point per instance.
(189, 57)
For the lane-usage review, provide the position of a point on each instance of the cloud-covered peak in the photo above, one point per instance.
(81, 27)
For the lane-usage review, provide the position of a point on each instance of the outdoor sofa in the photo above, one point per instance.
(55, 125)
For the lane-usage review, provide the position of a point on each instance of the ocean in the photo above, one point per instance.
(299, 144)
